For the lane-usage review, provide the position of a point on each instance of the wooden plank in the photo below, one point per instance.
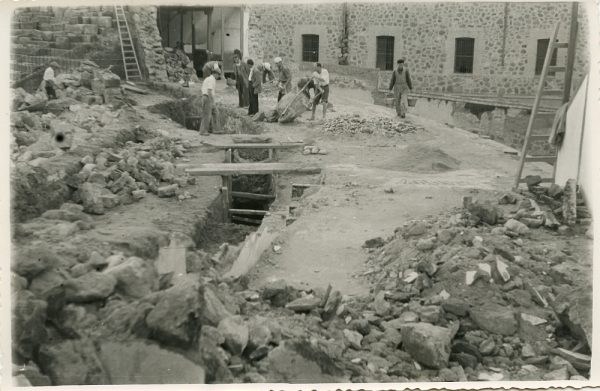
(211, 169)
(249, 212)
(245, 220)
(225, 199)
(546, 159)
(242, 139)
(252, 196)
(256, 145)
(134, 89)
(539, 137)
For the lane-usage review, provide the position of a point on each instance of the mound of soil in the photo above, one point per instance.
(423, 158)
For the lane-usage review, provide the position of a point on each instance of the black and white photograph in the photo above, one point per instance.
(300, 193)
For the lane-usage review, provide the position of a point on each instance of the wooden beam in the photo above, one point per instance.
(249, 212)
(225, 169)
(252, 196)
(245, 220)
(257, 145)
(571, 53)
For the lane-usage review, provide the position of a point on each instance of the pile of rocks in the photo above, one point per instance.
(496, 279)
(354, 124)
(348, 82)
(110, 179)
(175, 68)
(88, 84)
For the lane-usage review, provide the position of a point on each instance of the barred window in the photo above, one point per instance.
(310, 47)
(385, 53)
(463, 55)
(540, 56)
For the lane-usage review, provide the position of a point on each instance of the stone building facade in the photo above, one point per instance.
(505, 34)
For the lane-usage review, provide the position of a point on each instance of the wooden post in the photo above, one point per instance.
(181, 27)
(222, 36)
(228, 155)
(571, 53)
(225, 196)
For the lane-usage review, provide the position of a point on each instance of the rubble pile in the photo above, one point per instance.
(496, 280)
(354, 124)
(176, 70)
(88, 84)
(467, 296)
(110, 179)
(348, 82)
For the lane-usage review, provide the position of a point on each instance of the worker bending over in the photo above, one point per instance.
(321, 81)
(284, 77)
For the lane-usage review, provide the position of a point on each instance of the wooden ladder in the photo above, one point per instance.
(542, 91)
(130, 60)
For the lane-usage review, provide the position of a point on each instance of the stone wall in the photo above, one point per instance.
(505, 35)
(149, 48)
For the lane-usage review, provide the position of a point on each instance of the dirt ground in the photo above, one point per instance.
(323, 246)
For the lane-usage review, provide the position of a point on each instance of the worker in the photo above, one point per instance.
(401, 84)
(321, 80)
(305, 84)
(255, 85)
(268, 73)
(241, 72)
(284, 78)
(210, 114)
(49, 81)
(208, 67)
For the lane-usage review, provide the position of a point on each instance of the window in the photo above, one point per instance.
(463, 55)
(310, 47)
(385, 53)
(540, 57)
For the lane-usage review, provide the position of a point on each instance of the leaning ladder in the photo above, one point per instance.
(565, 92)
(130, 61)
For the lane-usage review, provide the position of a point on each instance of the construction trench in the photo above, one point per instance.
(365, 249)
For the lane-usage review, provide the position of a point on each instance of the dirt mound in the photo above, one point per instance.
(354, 124)
(423, 158)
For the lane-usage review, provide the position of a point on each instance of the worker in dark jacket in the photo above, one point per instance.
(401, 84)
(255, 85)
(285, 78)
(241, 71)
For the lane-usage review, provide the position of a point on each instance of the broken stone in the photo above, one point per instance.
(507, 199)
(90, 287)
(374, 243)
(34, 260)
(417, 228)
(558, 374)
(534, 320)
(456, 307)
(135, 277)
(495, 319)
(301, 362)
(516, 227)
(304, 304)
(259, 333)
(361, 325)
(235, 332)
(502, 269)
(430, 314)
(72, 362)
(277, 292)
(28, 320)
(380, 305)
(569, 207)
(174, 319)
(213, 310)
(140, 362)
(470, 277)
(487, 347)
(445, 235)
(527, 351)
(332, 305)
(354, 338)
(427, 344)
(426, 244)
(486, 213)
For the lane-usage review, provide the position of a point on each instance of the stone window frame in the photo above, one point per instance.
(299, 31)
(393, 31)
(478, 53)
(534, 35)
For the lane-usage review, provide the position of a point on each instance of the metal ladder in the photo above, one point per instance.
(541, 91)
(130, 61)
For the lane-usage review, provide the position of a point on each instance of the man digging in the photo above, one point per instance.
(401, 84)
(321, 82)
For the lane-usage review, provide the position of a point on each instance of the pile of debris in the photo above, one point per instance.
(354, 124)
(176, 69)
(88, 84)
(492, 288)
(110, 179)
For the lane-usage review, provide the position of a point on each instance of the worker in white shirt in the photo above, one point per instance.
(210, 115)
(322, 77)
(49, 81)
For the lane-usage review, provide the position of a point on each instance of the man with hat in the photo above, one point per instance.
(284, 78)
(401, 84)
(210, 114)
(49, 82)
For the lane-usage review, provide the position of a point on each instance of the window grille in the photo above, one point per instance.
(463, 55)
(310, 47)
(385, 53)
